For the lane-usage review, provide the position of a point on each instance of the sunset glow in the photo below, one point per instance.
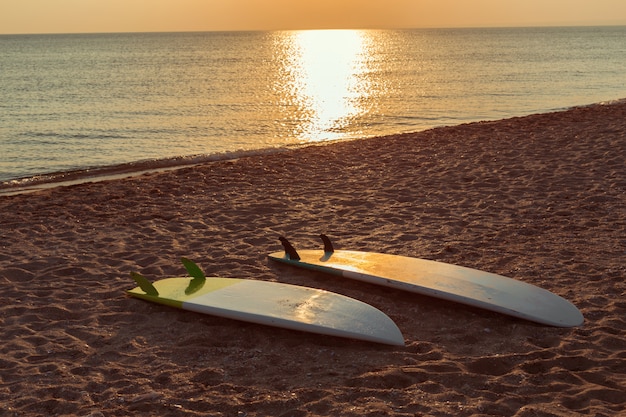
(79, 16)
(322, 80)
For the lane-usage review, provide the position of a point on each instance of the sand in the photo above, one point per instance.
(540, 199)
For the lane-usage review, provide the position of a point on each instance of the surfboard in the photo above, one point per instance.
(437, 279)
(270, 303)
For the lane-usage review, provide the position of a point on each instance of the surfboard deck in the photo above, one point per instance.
(441, 280)
(274, 304)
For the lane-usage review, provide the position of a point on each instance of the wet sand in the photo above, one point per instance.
(540, 198)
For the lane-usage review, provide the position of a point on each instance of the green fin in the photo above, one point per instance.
(198, 276)
(144, 284)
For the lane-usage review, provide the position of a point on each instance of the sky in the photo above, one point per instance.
(97, 16)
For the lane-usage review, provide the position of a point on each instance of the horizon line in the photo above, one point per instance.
(319, 29)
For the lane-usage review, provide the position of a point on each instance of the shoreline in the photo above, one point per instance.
(539, 198)
(119, 171)
(50, 180)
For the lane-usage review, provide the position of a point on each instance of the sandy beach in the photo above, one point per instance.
(541, 199)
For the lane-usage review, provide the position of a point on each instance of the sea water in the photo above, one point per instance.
(79, 101)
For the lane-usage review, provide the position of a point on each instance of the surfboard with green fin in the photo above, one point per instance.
(270, 303)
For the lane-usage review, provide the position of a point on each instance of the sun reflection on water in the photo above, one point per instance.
(324, 81)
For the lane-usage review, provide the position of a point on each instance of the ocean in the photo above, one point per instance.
(81, 102)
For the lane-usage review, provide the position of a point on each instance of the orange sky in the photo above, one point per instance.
(68, 16)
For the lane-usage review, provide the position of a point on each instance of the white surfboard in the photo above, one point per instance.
(273, 304)
(450, 282)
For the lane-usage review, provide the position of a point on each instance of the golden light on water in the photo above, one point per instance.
(324, 81)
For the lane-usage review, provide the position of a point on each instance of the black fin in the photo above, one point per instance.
(198, 276)
(144, 284)
(328, 245)
(289, 249)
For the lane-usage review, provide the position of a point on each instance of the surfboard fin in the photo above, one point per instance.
(198, 276)
(144, 284)
(328, 245)
(289, 249)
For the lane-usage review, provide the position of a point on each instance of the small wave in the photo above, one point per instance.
(74, 135)
(609, 102)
